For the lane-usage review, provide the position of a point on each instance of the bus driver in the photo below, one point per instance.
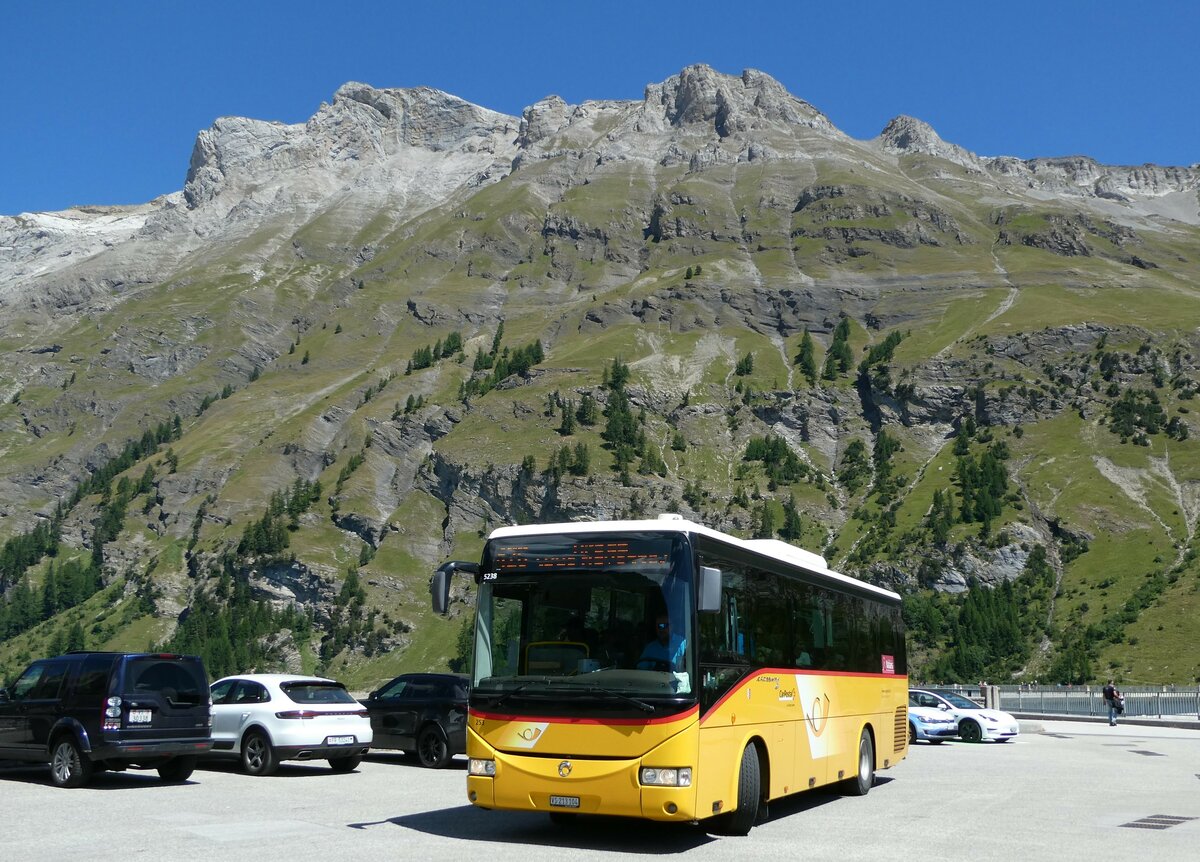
(665, 652)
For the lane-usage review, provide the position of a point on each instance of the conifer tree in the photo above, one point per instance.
(806, 359)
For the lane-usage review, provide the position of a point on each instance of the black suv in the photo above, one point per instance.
(421, 713)
(87, 711)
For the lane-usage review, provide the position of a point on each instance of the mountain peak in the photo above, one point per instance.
(365, 135)
(731, 103)
(905, 134)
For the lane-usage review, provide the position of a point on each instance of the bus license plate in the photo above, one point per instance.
(564, 801)
(139, 716)
(339, 740)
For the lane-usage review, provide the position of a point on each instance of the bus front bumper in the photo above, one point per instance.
(578, 786)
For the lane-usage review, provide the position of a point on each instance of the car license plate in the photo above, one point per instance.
(139, 716)
(339, 740)
(564, 801)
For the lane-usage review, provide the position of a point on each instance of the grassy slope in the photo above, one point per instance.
(544, 288)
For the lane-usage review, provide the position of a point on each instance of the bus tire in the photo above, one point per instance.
(864, 775)
(741, 819)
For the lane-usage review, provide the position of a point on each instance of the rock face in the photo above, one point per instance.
(410, 150)
(417, 146)
(273, 304)
(910, 135)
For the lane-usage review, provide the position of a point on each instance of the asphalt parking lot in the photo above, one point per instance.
(1069, 792)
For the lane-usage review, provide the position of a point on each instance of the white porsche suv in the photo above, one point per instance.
(268, 717)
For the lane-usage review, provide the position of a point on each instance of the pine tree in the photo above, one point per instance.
(75, 637)
(764, 521)
(567, 428)
(50, 601)
(806, 359)
(588, 414)
(582, 463)
(793, 526)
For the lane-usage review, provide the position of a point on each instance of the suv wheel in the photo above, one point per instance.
(345, 764)
(432, 749)
(258, 756)
(177, 769)
(69, 767)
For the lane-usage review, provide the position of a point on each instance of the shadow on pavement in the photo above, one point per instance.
(518, 827)
(615, 834)
(132, 779)
(400, 758)
(287, 769)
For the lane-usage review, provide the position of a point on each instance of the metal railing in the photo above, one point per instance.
(1148, 701)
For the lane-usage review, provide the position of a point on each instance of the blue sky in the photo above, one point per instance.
(102, 101)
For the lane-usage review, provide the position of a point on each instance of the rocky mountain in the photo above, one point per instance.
(382, 326)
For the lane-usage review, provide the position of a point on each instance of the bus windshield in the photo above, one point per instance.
(601, 616)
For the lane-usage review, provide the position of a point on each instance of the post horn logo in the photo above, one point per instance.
(529, 734)
(819, 716)
(564, 769)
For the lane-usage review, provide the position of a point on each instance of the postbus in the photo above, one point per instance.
(664, 670)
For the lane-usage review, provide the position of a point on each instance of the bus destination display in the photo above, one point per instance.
(604, 555)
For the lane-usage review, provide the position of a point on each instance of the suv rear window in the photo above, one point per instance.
(317, 692)
(180, 681)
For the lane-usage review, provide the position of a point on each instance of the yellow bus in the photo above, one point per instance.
(664, 670)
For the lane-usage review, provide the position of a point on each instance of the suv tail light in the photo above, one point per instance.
(112, 714)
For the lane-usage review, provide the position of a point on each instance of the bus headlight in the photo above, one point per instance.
(478, 766)
(667, 776)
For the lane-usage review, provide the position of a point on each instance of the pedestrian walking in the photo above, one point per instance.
(1115, 702)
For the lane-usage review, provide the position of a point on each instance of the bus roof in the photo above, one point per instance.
(772, 548)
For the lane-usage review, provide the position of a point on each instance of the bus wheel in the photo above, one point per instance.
(861, 783)
(739, 821)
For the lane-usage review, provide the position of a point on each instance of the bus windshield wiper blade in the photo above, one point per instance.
(506, 695)
(503, 696)
(594, 689)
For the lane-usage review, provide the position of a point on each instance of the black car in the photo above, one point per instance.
(88, 711)
(421, 713)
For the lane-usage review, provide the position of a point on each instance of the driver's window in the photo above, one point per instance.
(506, 635)
(25, 684)
(394, 691)
(51, 682)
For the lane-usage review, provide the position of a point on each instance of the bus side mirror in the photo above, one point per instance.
(708, 599)
(439, 586)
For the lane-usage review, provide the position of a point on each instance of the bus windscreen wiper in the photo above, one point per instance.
(597, 689)
(500, 698)
(503, 697)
